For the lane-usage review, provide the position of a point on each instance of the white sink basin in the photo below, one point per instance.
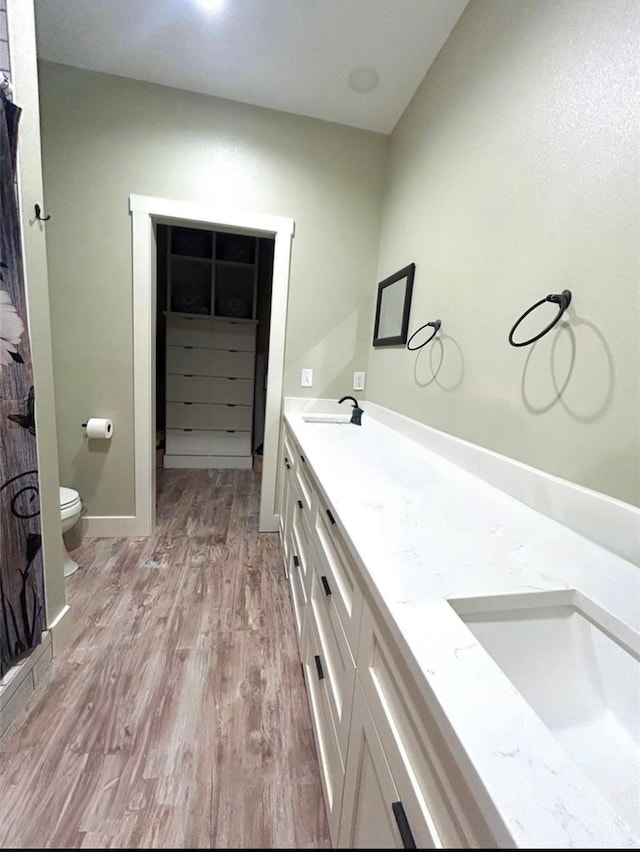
(339, 419)
(579, 669)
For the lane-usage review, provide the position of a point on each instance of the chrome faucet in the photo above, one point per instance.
(357, 412)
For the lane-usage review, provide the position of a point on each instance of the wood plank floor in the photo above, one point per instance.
(177, 716)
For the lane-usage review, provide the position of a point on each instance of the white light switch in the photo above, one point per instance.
(358, 381)
(306, 379)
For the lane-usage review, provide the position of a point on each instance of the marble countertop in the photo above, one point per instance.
(424, 532)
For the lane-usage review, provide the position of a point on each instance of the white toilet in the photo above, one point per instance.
(70, 512)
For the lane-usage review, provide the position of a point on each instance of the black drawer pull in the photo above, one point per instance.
(299, 502)
(232, 378)
(321, 676)
(404, 828)
(296, 561)
(188, 347)
(302, 457)
(187, 403)
(331, 518)
(233, 350)
(326, 586)
(231, 405)
(187, 430)
(188, 375)
(232, 431)
(288, 466)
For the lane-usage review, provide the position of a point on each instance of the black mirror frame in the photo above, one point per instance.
(407, 272)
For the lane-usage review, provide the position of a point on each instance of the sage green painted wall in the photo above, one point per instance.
(514, 174)
(21, 24)
(106, 137)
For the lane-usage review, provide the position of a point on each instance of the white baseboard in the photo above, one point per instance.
(111, 526)
(208, 462)
(605, 520)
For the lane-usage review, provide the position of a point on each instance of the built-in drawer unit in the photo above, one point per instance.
(209, 389)
(211, 333)
(188, 361)
(186, 415)
(194, 442)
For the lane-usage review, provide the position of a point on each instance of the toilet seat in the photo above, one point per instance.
(70, 503)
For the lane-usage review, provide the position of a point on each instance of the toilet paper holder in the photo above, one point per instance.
(98, 427)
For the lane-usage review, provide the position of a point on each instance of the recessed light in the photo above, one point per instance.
(211, 5)
(363, 79)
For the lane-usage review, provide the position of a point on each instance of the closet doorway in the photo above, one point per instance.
(148, 214)
(213, 312)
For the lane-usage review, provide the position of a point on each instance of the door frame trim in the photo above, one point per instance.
(146, 212)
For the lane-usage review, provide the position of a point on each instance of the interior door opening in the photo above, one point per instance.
(213, 310)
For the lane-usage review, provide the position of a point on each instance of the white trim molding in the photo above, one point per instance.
(146, 212)
(110, 526)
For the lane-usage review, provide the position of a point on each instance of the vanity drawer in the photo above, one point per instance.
(209, 389)
(211, 334)
(337, 661)
(338, 574)
(184, 415)
(289, 456)
(298, 571)
(195, 442)
(210, 362)
(330, 763)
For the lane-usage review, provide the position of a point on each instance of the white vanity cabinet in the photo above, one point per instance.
(326, 602)
(387, 774)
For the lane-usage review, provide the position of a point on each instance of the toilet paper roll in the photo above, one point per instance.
(99, 427)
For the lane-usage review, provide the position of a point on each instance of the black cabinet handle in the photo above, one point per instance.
(321, 675)
(302, 457)
(331, 518)
(287, 465)
(299, 502)
(325, 583)
(296, 561)
(404, 828)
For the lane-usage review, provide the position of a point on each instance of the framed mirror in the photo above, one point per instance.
(393, 306)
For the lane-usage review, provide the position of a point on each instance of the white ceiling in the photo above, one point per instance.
(291, 55)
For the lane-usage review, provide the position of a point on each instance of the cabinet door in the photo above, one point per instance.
(429, 783)
(372, 813)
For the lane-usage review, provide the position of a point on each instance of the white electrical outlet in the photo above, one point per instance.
(358, 381)
(306, 378)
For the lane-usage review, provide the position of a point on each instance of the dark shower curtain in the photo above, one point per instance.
(21, 577)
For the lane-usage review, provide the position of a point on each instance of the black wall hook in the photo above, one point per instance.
(563, 300)
(435, 325)
(38, 216)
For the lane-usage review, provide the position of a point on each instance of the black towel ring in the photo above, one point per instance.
(38, 216)
(563, 300)
(435, 325)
